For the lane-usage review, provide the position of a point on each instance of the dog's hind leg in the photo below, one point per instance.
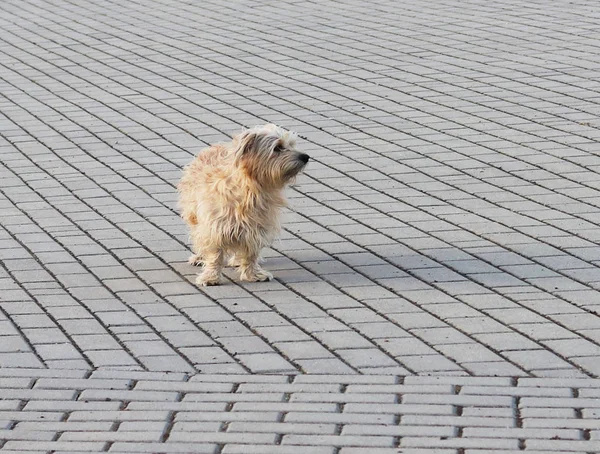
(196, 236)
(212, 267)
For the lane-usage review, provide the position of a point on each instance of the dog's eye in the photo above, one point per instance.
(278, 149)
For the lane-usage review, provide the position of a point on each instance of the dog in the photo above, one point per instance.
(231, 196)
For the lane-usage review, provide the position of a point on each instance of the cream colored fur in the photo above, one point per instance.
(231, 195)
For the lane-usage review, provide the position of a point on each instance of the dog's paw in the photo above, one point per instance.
(195, 260)
(207, 280)
(259, 275)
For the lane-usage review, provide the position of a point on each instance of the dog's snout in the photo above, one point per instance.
(304, 158)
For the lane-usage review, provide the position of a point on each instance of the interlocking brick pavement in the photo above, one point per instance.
(58, 410)
(437, 276)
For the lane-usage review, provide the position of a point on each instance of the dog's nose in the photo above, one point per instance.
(304, 158)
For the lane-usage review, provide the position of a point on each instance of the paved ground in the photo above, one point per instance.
(437, 278)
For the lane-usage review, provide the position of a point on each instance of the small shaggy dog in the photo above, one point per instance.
(230, 196)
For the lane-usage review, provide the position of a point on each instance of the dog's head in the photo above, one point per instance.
(268, 155)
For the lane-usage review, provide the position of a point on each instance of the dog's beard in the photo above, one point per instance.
(292, 170)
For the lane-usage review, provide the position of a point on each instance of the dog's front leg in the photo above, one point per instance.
(211, 270)
(250, 270)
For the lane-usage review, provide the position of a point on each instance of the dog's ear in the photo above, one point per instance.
(245, 142)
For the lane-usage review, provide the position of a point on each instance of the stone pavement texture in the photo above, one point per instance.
(437, 277)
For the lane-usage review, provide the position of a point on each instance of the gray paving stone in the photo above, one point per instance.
(351, 450)
(273, 449)
(126, 395)
(485, 443)
(344, 440)
(201, 448)
(134, 436)
(67, 446)
(240, 437)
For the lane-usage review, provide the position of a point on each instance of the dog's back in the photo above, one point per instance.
(197, 175)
